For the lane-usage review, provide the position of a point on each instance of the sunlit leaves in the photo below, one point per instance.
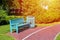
(34, 8)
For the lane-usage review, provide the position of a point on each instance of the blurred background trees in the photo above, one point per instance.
(44, 11)
(5, 6)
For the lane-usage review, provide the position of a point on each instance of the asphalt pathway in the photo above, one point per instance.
(38, 33)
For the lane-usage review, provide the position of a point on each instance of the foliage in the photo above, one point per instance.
(34, 8)
(48, 17)
(12, 17)
(5, 5)
(3, 16)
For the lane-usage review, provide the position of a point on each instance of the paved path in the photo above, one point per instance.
(44, 34)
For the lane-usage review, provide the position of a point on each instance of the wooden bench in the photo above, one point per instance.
(16, 23)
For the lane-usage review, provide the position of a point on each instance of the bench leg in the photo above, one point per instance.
(17, 30)
(11, 29)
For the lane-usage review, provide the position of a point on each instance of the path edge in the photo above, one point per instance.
(56, 35)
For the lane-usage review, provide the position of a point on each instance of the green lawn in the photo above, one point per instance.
(58, 37)
(3, 31)
(5, 37)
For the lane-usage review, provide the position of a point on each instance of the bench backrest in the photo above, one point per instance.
(15, 21)
(20, 20)
(30, 19)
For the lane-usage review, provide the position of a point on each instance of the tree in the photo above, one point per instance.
(5, 5)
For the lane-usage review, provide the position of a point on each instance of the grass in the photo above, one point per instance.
(5, 37)
(3, 31)
(58, 37)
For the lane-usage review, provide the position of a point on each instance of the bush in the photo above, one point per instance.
(3, 16)
(12, 17)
